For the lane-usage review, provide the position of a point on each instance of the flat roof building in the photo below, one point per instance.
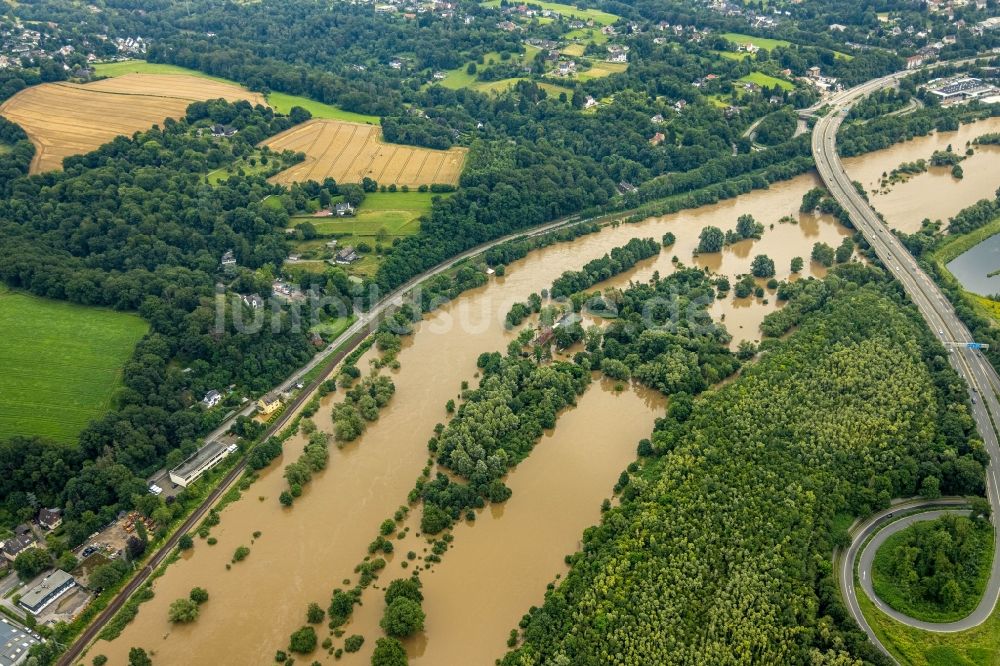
(15, 641)
(48, 590)
(200, 462)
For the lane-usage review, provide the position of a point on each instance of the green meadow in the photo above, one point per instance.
(62, 363)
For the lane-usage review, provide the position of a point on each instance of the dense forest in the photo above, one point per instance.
(935, 568)
(720, 548)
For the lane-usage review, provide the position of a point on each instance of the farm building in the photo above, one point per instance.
(347, 255)
(200, 462)
(48, 590)
(343, 209)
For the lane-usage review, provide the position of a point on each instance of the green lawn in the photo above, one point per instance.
(283, 103)
(759, 42)
(395, 212)
(112, 69)
(762, 79)
(61, 363)
(979, 646)
(733, 55)
(587, 35)
(599, 17)
(505, 84)
(333, 327)
(460, 78)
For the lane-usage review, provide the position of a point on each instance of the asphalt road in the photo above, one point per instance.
(883, 532)
(982, 381)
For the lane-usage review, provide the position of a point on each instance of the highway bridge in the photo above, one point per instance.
(937, 311)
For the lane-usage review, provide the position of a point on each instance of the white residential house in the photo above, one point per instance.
(211, 399)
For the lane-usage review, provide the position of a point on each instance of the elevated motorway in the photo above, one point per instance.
(980, 377)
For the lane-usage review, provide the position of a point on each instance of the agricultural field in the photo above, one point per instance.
(349, 152)
(61, 363)
(765, 80)
(569, 11)
(759, 42)
(600, 69)
(280, 102)
(64, 119)
(283, 103)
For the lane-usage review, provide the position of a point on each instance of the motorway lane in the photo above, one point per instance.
(981, 378)
(870, 526)
(868, 557)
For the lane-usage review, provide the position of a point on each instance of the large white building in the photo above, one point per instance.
(41, 596)
(200, 462)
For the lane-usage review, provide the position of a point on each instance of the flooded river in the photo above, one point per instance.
(499, 565)
(935, 194)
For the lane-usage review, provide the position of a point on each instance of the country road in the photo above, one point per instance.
(937, 311)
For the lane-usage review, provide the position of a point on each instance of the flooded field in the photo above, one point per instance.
(499, 565)
(935, 194)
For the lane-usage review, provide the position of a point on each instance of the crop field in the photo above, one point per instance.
(349, 152)
(61, 363)
(64, 119)
(600, 69)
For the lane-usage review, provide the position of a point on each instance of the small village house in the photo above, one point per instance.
(50, 518)
(269, 403)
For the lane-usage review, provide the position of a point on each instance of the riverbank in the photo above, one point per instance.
(305, 552)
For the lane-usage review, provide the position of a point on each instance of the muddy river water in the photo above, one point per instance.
(499, 565)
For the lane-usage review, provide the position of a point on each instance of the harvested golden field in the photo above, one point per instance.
(65, 119)
(348, 152)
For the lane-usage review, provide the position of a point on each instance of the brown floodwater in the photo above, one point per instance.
(935, 194)
(500, 564)
(511, 550)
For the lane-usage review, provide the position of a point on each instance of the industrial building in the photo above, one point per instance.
(200, 462)
(15, 641)
(53, 586)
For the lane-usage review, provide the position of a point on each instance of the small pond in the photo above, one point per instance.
(973, 267)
